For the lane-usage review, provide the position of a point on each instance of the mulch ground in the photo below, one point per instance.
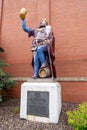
(10, 119)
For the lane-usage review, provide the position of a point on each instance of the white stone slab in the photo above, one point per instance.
(55, 103)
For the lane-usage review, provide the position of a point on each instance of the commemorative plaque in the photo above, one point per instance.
(38, 103)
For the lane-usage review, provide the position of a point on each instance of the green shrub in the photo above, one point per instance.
(5, 82)
(16, 109)
(78, 117)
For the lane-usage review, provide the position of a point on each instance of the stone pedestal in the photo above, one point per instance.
(41, 101)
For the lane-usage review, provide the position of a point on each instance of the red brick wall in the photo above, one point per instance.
(71, 92)
(69, 21)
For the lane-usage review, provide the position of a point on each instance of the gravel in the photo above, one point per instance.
(10, 119)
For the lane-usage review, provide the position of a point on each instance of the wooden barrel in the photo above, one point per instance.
(44, 73)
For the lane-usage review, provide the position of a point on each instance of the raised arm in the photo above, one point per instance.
(22, 14)
(24, 27)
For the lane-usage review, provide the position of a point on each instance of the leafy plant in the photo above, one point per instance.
(78, 117)
(1, 49)
(5, 82)
(16, 109)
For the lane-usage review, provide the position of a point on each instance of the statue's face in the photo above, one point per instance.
(43, 23)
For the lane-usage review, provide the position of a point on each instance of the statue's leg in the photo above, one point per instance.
(36, 65)
(40, 51)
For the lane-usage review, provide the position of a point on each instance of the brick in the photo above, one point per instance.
(68, 19)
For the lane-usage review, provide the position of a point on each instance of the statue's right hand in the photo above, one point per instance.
(23, 13)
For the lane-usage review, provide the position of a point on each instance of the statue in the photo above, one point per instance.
(42, 39)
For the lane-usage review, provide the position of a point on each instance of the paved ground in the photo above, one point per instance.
(10, 120)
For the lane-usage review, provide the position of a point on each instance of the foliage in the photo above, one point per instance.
(1, 49)
(16, 109)
(0, 98)
(78, 117)
(5, 82)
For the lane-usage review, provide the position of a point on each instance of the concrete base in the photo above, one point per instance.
(54, 101)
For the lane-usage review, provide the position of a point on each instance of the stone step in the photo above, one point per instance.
(41, 80)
